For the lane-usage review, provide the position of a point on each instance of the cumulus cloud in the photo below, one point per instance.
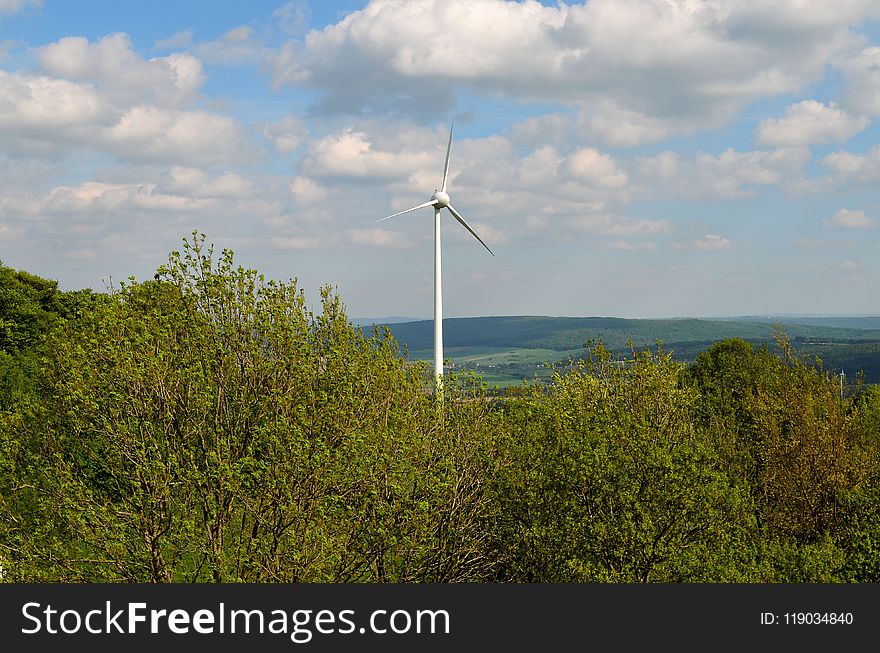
(541, 130)
(595, 168)
(286, 134)
(351, 154)
(378, 238)
(862, 72)
(848, 265)
(181, 39)
(91, 198)
(8, 233)
(619, 127)
(849, 219)
(859, 167)
(807, 123)
(43, 108)
(665, 60)
(13, 6)
(293, 17)
(730, 174)
(616, 225)
(307, 191)
(193, 182)
(104, 96)
(712, 243)
(237, 47)
(121, 74)
(708, 243)
(147, 133)
(42, 115)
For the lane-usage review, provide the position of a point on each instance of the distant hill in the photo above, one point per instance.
(567, 333)
(871, 322)
(848, 343)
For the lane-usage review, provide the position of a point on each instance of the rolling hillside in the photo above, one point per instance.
(567, 333)
(518, 345)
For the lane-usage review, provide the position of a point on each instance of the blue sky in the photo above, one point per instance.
(636, 158)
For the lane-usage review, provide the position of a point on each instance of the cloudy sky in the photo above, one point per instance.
(635, 158)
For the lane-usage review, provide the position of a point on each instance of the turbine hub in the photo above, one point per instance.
(440, 197)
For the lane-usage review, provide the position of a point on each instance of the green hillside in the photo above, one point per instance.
(509, 349)
(566, 333)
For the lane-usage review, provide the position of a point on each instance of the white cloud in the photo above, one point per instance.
(859, 167)
(8, 233)
(541, 130)
(42, 115)
(286, 134)
(807, 123)
(351, 154)
(848, 265)
(147, 133)
(708, 243)
(193, 182)
(595, 168)
(693, 62)
(862, 72)
(121, 74)
(238, 46)
(712, 243)
(730, 174)
(619, 127)
(665, 167)
(5, 46)
(849, 219)
(177, 40)
(293, 16)
(13, 6)
(42, 107)
(307, 191)
(615, 225)
(378, 238)
(91, 198)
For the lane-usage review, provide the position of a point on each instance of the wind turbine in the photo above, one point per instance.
(440, 200)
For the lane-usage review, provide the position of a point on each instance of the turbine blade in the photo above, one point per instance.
(420, 206)
(446, 165)
(457, 216)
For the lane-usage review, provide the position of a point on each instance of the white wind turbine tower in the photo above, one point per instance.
(439, 200)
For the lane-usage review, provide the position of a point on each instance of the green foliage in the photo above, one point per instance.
(626, 489)
(784, 430)
(208, 425)
(30, 307)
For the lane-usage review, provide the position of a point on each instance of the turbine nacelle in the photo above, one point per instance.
(440, 199)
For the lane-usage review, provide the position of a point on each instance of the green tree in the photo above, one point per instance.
(606, 479)
(209, 426)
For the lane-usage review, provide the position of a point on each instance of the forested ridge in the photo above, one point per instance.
(209, 425)
(567, 333)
